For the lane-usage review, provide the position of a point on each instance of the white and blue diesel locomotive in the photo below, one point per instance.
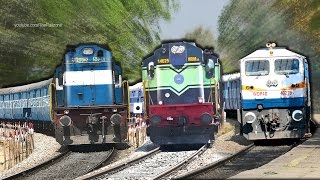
(85, 100)
(272, 93)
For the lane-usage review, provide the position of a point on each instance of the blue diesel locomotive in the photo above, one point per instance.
(85, 99)
(271, 94)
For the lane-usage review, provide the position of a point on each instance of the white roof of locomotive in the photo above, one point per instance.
(230, 77)
(136, 86)
(277, 52)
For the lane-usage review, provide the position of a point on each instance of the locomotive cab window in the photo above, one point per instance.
(151, 70)
(210, 68)
(286, 66)
(100, 53)
(60, 78)
(257, 67)
(117, 78)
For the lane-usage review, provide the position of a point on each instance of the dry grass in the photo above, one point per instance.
(225, 128)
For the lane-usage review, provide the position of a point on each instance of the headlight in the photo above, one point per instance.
(155, 120)
(65, 120)
(87, 51)
(160, 102)
(297, 115)
(206, 118)
(260, 107)
(116, 119)
(250, 117)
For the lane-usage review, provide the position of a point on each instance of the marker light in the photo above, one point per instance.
(66, 111)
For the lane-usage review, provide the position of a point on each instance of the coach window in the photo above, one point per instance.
(257, 67)
(34, 93)
(286, 66)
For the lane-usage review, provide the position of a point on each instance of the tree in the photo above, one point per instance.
(34, 33)
(202, 36)
(245, 26)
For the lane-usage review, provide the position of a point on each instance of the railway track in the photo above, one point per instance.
(250, 157)
(68, 165)
(157, 164)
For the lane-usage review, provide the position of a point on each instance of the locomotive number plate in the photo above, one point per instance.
(286, 93)
(260, 93)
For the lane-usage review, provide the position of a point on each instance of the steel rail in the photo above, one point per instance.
(42, 165)
(102, 171)
(180, 164)
(214, 164)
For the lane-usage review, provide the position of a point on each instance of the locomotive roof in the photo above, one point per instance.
(230, 77)
(25, 87)
(276, 52)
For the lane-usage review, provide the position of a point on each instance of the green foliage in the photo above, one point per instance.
(202, 36)
(247, 25)
(129, 28)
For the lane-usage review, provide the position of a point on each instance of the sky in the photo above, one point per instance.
(192, 14)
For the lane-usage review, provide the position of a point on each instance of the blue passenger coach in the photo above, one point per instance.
(28, 102)
(136, 99)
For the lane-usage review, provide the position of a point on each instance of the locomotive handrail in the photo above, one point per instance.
(144, 98)
(216, 95)
(51, 86)
(128, 96)
(210, 91)
(150, 99)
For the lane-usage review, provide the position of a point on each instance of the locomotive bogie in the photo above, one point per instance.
(181, 135)
(89, 126)
(274, 123)
(181, 124)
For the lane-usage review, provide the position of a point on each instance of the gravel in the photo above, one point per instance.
(46, 147)
(150, 167)
(69, 167)
(224, 145)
